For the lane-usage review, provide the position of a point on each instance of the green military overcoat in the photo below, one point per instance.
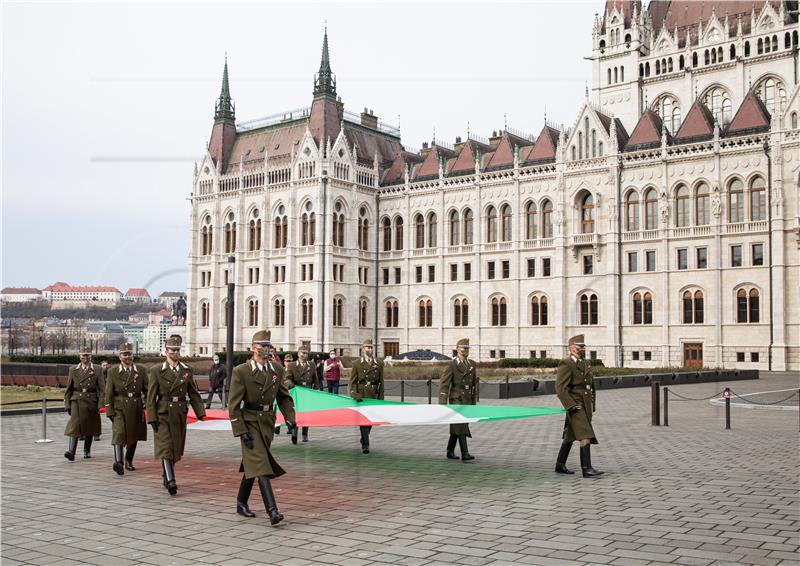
(251, 407)
(304, 375)
(366, 379)
(84, 398)
(575, 386)
(458, 386)
(124, 400)
(167, 404)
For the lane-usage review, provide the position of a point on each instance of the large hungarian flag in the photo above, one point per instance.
(318, 408)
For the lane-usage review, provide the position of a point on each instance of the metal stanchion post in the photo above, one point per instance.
(727, 395)
(655, 394)
(44, 438)
(402, 390)
(666, 406)
(508, 393)
(429, 390)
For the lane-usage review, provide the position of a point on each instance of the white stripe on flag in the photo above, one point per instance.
(216, 424)
(407, 415)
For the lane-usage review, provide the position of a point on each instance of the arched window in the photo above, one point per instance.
(643, 308)
(758, 199)
(587, 214)
(499, 315)
(774, 42)
(398, 233)
(588, 309)
(530, 221)
(732, 51)
(637, 308)
(694, 59)
(307, 312)
(682, 206)
(491, 224)
(254, 232)
(338, 225)
(658, 67)
(455, 228)
(735, 201)
(616, 75)
(594, 143)
(647, 69)
(425, 312)
(204, 314)
(392, 313)
(706, 57)
(609, 75)
(650, 209)
(363, 229)
(547, 219)
(279, 312)
(539, 310)
(669, 111)
(632, 211)
(505, 214)
(206, 237)
(468, 229)
(419, 231)
(793, 120)
(362, 312)
(304, 229)
(622, 74)
(693, 307)
(252, 312)
(747, 49)
(338, 311)
(702, 214)
(386, 230)
(433, 225)
(281, 228)
(669, 64)
(461, 312)
(719, 102)
(681, 62)
(747, 306)
(580, 145)
(230, 234)
(772, 93)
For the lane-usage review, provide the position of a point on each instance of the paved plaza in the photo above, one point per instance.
(692, 493)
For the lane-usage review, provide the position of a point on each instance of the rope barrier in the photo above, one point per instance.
(772, 403)
(683, 398)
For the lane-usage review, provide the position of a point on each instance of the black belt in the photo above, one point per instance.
(175, 399)
(139, 395)
(572, 387)
(256, 407)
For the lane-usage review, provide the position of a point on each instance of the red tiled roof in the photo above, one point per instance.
(430, 166)
(503, 154)
(370, 143)
(544, 148)
(751, 115)
(64, 287)
(252, 146)
(647, 131)
(699, 122)
(396, 173)
(325, 121)
(223, 136)
(135, 292)
(622, 133)
(19, 291)
(465, 161)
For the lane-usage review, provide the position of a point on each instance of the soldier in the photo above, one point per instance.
(366, 382)
(104, 367)
(255, 387)
(82, 400)
(575, 390)
(303, 373)
(458, 386)
(125, 388)
(167, 390)
(217, 376)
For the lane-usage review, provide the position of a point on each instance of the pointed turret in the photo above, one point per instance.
(325, 82)
(326, 109)
(224, 110)
(223, 135)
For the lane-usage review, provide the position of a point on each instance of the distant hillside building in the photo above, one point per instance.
(61, 291)
(20, 295)
(137, 296)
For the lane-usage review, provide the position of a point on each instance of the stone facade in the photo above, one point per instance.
(548, 225)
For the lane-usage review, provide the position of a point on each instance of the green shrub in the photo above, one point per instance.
(242, 356)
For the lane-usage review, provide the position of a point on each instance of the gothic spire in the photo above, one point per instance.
(325, 82)
(224, 110)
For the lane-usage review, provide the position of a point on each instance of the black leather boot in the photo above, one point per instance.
(462, 444)
(87, 446)
(73, 447)
(118, 467)
(451, 447)
(244, 494)
(561, 461)
(586, 463)
(365, 439)
(169, 477)
(129, 452)
(275, 516)
(277, 430)
(305, 434)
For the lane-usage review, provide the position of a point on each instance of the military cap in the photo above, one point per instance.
(85, 351)
(577, 340)
(126, 347)
(177, 337)
(302, 348)
(463, 342)
(261, 337)
(367, 342)
(288, 358)
(173, 343)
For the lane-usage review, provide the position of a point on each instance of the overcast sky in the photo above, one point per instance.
(107, 105)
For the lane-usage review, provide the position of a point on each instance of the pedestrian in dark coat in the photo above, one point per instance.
(217, 376)
(83, 399)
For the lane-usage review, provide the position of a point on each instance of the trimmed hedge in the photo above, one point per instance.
(241, 357)
(535, 363)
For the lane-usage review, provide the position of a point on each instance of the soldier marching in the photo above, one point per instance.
(256, 386)
(303, 373)
(82, 401)
(170, 390)
(459, 386)
(126, 387)
(366, 382)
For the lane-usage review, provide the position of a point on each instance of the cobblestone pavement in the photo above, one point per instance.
(692, 493)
